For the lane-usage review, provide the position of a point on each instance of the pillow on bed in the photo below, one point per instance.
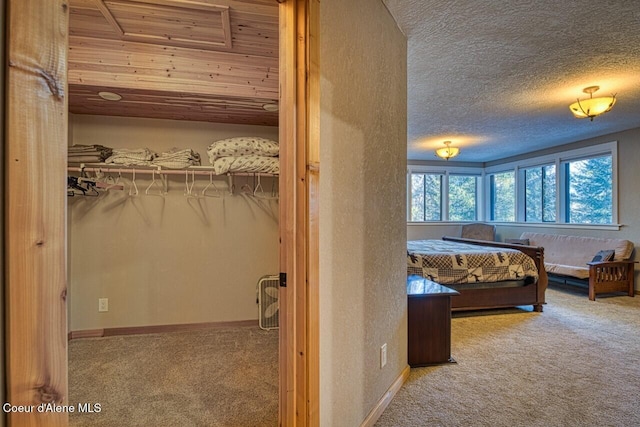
(243, 146)
(602, 256)
(517, 241)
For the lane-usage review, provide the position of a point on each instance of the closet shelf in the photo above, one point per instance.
(189, 174)
(139, 169)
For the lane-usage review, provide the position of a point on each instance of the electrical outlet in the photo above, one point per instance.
(103, 304)
(383, 355)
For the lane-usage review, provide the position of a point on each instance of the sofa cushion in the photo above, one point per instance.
(576, 251)
(567, 270)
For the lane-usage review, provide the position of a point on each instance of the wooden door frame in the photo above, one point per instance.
(2, 145)
(34, 269)
(35, 209)
(299, 212)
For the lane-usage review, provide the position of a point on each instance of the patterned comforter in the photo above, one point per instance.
(254, 164)
(451, 263)
(251, 154)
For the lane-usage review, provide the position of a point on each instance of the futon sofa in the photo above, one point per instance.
(573, 256)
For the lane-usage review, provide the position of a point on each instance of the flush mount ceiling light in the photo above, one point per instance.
(592, 107)
(447, 152)
(109, 96)
(270, 107)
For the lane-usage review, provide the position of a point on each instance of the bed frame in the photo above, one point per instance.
(484, 298)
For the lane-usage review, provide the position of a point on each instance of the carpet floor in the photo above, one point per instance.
(576, 364)
(214, 377)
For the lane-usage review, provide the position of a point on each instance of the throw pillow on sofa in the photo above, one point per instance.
(602, 256)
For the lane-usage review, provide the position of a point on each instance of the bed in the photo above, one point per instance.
(486, 274)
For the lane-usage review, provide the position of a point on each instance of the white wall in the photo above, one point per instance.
(168, 260)
(363, 301)
(628, 199)
(422, 231)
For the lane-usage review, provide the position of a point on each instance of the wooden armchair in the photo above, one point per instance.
(611, 276)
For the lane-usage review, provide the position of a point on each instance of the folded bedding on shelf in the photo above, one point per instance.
(88, 153)
(242, 146)
(251, 164)
(89, 158)
(177, 159)
(131, 157)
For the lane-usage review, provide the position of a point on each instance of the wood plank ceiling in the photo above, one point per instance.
(206, 60)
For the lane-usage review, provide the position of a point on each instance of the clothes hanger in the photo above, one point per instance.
(116, 183)
(211, 183)
(246, 188)
(231, 184)
(189, 193)
(81, 187)
(258, 186)
(92, 191)
(155, 182)
(133, 188)
(259, 192)
(105, 182)
(73, 187)
(89, 185)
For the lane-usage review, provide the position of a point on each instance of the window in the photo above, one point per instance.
(502, 196)
(443, 195)
(589, 190)
(576, 187)
(426, 197)
(463, 198)
(540, 194)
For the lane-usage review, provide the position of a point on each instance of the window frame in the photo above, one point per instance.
(489, 197)
(478, 206)
(410, 195)
(563, 198)
(446, 172)
(523, 191)
(558, 159)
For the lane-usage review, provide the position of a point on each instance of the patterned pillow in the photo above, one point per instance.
(243, 146)
(255, 164)
(602, 256)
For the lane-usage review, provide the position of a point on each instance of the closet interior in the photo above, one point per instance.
(173, 164)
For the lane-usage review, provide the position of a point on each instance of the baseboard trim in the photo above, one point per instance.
(386, 399)
(155, 329)
(86, 333)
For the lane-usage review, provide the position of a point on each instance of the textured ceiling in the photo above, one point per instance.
(496, 77)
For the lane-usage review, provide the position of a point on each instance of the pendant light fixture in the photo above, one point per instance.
(448, 151)
(592, 107)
